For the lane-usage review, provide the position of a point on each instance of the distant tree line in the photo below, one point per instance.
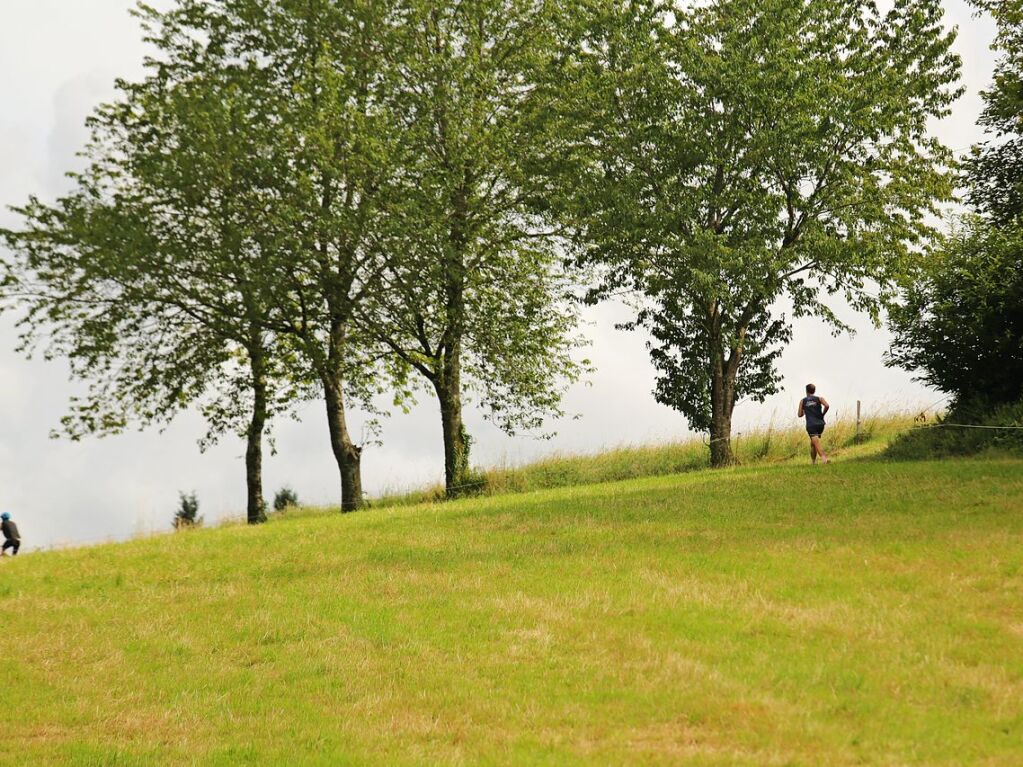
(354, 201)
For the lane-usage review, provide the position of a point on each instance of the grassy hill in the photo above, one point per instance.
(862, 613)
(757, 446)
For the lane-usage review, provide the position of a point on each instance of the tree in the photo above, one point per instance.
(148, 276)
(332, 73)
(961, 324)
(995, 169)
(476, 294)
(318, 69)
(729, 158)
(187, 514)
(335, 65)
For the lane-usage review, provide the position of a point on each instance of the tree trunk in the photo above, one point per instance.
(724, 374)
(456, 441)
(724, 371)
(255, 506)
(721, 406)
(347, 454)
(449, 383)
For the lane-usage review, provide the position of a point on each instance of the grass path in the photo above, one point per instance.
(863, 613)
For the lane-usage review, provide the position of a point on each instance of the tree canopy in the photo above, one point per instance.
(960, 326)
(737, 157)
(148, 276)
(307, 195)
(476, 297)
(995, 169)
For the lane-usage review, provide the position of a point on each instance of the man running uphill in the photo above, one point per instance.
(814, 408)
(12, 540)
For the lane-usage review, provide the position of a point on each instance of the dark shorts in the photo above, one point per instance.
(10, 544)
(815, 431)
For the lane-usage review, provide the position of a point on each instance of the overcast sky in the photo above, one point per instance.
(58, 59)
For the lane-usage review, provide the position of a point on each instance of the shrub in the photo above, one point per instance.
(187, 514)
(960, 326)
(285, 498)
(947, 439)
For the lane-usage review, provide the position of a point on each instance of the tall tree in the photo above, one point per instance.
(995, 170)
(476, 294)
(960, 324)
(148, 275)
(345, 162)
(327, 65)
(727, 158)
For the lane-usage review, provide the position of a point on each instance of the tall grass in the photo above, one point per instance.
(766, 445)
(948, 437)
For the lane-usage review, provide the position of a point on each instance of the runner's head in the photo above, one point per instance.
(810, 389)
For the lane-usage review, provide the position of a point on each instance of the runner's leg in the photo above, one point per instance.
(816, 442)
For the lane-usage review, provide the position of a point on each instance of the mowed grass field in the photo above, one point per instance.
(867, 612)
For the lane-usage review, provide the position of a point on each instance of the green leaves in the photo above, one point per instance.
(995, 169)
(309, 194)
(960, 325)
(150, 276)
(741, 153)
(476, 298)
(302, 193)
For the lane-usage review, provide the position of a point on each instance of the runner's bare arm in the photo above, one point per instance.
(824, 402)
(800, 413)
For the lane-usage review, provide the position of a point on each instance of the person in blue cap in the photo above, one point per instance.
(12, 540)
(814, 408)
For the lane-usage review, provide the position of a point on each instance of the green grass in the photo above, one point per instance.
(944, 439)
(755, 447)
(867, 612)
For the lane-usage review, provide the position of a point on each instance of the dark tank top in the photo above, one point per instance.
(814, 411)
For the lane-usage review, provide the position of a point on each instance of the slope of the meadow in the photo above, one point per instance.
(862, 613)
(769, 445)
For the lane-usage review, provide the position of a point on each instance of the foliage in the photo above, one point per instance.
(946, 440)
(285, 498)
(735, 156)
(149, 276)
(187, 514)
(960, 324)
(995, 168)
(248, 172)
(328, 137)
(476, 299)
(309, 194)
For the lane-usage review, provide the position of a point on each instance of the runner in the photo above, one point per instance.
(12, 539)
(814, 408)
